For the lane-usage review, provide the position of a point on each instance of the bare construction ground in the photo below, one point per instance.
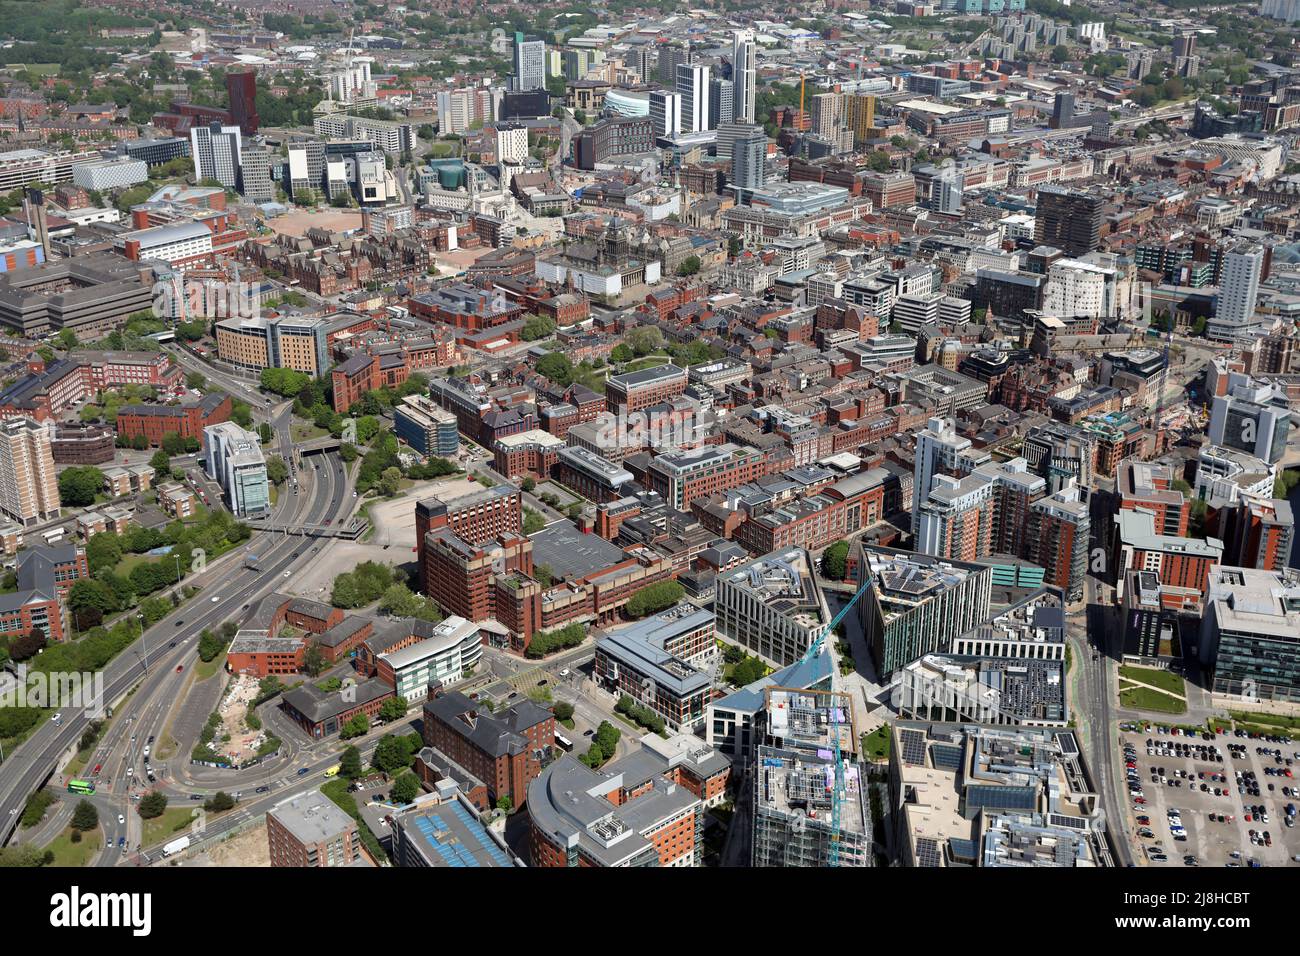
(391, 541)
(248, 848)
(297, 223)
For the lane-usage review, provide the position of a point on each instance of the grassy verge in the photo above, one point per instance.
(162, 828)
(205, 669)
(67, 853)
(1143, 698)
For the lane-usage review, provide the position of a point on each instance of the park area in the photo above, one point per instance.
(1152, 689)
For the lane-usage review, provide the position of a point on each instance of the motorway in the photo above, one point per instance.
(152, 661)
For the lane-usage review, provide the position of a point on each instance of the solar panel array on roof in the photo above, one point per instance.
(980, 796)
(913, 747)
(1073, 823)
(1069, 745)
(448, 846)
(927, 852)
(946, 756)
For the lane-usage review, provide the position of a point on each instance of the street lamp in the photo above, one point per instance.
(144, 641)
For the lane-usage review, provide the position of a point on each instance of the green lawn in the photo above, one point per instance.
(875, 745)
(162, 828)
(205, 669)
(1165, 680)
(650, 361)
(1141, 698)
(67, 853)
(306, 431)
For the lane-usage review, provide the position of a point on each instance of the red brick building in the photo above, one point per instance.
(505, 750)
(187, 421)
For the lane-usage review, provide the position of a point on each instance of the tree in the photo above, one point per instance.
(835, 560)
(607, 737)
(653, 598)
(621, 353)
(276, 470)
(393, 753)
(85, 816)
(689, 266)
(1060, 54)
(358, 726)
(505, 804)
(563, 710)
(313, 659)
(350, 763)
(748, 671)
(79, 486)
(555, 367)
(152, 805)
(528, 485)
(537, 327)
(219, 802)
(394, 708)
(405, 788)
(644, 340)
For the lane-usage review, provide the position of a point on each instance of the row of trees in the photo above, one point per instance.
(654, 598)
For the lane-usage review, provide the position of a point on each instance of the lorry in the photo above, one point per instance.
(252, 561)
(176, 846)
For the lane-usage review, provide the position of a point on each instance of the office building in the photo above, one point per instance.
(982, 690)
(1250, 633)
(233, 458)
(772, 606)
(665, 112)
(917, 604)
(309, 829)
(692, 86)
(1147, 486)
(627, 814)
(29, 487)
(506, 749)
(964, 795)
(1068, 220)
(1257, 533)
(216, 151)
(662, 663)
(721, 102)
(255, 174)
(749, 160)
(110, 174)
(1253, 417)
(241, 86)
(427, 427)
(446, 652)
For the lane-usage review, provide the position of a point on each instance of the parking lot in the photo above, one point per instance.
(1193, 768)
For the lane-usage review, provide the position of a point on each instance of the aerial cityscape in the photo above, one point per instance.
(446, 434)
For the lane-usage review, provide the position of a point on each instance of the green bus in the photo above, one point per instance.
(80, 786)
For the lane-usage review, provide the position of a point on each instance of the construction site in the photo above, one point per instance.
(810, 798)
